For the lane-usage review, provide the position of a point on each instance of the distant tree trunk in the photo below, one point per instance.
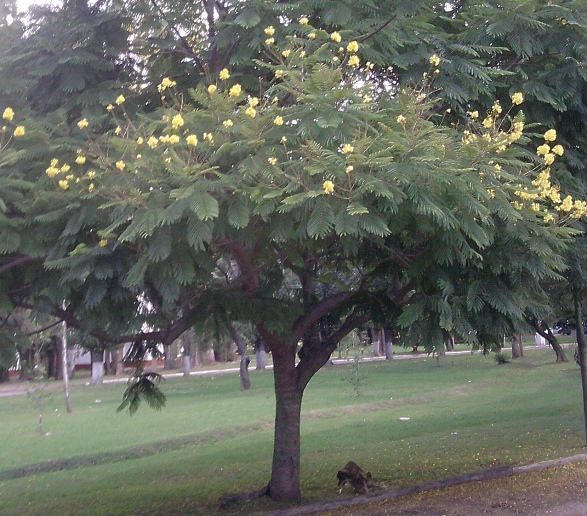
(388, 338)
(118, 361)
(517, 346)
(376, 340)
(260, 354)
(449, 341)
(169, 360)
(582, 349)
(187, 341)
(550, 338)
(64, 371)
(97, 367)
(245, 359)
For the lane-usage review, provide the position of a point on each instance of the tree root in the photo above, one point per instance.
(225, 501)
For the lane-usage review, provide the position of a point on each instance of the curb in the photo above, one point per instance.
(487, 474)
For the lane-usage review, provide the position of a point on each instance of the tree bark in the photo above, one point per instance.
(551, 339)
(118, 361)
(187, 351)
(260, 354)
(245, 359)
(517, 347)
(97, 367)
(285, 472)
(582, 349)
(388, 339)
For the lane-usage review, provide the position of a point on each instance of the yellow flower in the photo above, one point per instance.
(110, 107)
(550, 135)
(140, 140)
(278, 120)
(354, 60)
(349, 169)
(269, 41)
(517, 98)
(549, 159)
(64, 184)
(91, 174)
(558, 150)
(328, 187)
(212, 88)
(83, 123)
(496, 108)
(164, 138)
(103, 242)
(347, 148)
(235, 91)
(279, 74)
(367, 99)
(251, 111)
(434, 60)
(283, 140)
(152, 142)
(272, 161)
(52, 171)
(166, 83)
(353, 46)
(120, 99)
(335, 36)
(335, 59)
(304, 20)
(177, 121)
(312, 35)
(543, 150)
(227, 123)
(120, 165)
(518, 127)
(192, 139)
(80, 160)
(19, 131)
(567, 204)
(269, 30)
(65, 168)
(286, 53)
(253, 101)
(8, 114)
(173, 139)
(91, 188)
(475, 114)
(401, 119)
(548, 218)
(224, 74)
(54, 162)
(487, 123)
(118, 130)
(207, 136)
(303, 54)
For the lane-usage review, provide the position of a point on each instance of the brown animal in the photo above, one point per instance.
(354, 475)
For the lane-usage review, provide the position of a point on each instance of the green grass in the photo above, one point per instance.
(212, 439)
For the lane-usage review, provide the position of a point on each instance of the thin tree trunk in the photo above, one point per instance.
(582, 349)
(388, 339)
(260, 354)
(187, 350)
(64, 369)
(97, 367)
(285, 473)
(517, 347)
(118, 361)
(245, 359)
(551, 339)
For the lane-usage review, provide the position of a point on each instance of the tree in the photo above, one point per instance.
(336, 197)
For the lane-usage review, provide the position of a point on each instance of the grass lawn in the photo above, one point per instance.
(212, 439)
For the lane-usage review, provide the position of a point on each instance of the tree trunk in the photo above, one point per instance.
(388, 339)
(169, 362)
(582, 349)
(187, 350)
(551, 339)
(260, 354)
(285, 473)
(517, 347)
(97, 367)
(118, 361)
(245, 359)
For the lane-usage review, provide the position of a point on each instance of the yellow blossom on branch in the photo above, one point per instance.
(8, 114)
(487, 123)
(354, 61)
(278, 120)
(347, 148)
(140, 140)
(64, 184)
(304, 20)
(269, 41)
(353, 46)
(312, 35)
(120, 165)
(517, 98)
(224, 74)
(496, 108)
(103, 242)
(475, 114)
(286, 53)
(212, 88)
(434, 60)
(192, 139)
(120, 99)
(83, 123)
(173, 139)
(549, 158)
(251, 111)
(269, 30)
(272, 161)
(80, 160)
(152, 142)
(335, 36)
(207, 136)
(235, 91)
(52, 171)
(19, 131)
(166, 83)
(328, 187)
(110, 107)
(558, 150)
(543, 150)
(550, 135)
(177, 121)
(401, 119)
(227, 123)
